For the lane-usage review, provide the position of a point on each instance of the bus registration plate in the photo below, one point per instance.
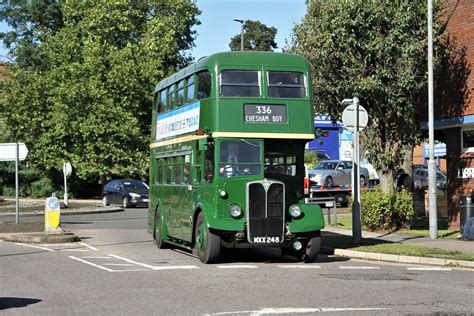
(265, 113)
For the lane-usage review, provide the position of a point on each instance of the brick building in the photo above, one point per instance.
(454, 105)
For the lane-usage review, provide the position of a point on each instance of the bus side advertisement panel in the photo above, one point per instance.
(177, 122)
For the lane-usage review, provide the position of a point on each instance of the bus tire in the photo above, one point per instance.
(310, 251)
(207, 244)
(158, 230)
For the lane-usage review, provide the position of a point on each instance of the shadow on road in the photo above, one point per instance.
(16, 302)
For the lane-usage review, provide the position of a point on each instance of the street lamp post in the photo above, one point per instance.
(241, 21)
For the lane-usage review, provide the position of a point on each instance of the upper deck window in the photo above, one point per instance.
(286, 84)
(180, 93)
(190, 89)
(204, 85)
(171, 97)
(238, 83)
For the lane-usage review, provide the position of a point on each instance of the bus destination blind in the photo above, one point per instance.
(265, 113)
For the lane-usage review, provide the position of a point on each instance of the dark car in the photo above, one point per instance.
(128, 193)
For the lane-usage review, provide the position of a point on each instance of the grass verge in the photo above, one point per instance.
(334, 240)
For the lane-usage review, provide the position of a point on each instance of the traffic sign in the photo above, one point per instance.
(67, 169)
(8, 151)
(349, 120)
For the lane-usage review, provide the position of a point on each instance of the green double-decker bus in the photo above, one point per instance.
(227, 156)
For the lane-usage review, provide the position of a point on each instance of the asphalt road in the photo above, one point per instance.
(116, 269)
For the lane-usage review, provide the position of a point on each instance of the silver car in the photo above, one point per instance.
(420, 179)
(329, 173)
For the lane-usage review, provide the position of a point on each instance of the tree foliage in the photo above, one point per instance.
(257, 36)
(376, 52)
(90, 101)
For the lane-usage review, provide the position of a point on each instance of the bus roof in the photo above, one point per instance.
(234, 58)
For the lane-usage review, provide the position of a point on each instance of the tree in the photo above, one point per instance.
(376, 52)
(90, 102)
(257, 36)
(31, 23)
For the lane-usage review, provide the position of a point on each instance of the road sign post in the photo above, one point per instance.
(355, 118)
(14, 152)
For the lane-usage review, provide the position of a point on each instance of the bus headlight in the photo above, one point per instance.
(235, 211)
(295, 211)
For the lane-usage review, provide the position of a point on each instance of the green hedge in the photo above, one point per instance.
(382, 211)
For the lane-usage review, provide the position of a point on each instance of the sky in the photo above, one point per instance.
(217, 25)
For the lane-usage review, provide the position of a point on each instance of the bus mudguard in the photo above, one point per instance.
(228, 224)
(312, 219)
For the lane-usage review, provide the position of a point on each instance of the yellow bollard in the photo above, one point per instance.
(52, 216)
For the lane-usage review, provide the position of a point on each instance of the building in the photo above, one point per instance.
(454, 106)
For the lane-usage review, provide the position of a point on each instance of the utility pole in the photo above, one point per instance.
(433, 219)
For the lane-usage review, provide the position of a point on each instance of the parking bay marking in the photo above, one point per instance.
(154, 267)
(91, 264)
(359, 268)
(89, 246)
(37, 247)
(242, 266)
(298, 266)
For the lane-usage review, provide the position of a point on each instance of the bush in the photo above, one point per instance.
(381, 211)
(41, 188)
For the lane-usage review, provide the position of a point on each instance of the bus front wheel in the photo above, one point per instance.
(158, 232)
(310, 251)
(207, 244)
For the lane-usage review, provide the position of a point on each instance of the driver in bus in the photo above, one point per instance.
(231, 158)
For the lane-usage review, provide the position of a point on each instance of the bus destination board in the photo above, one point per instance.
(265, 113)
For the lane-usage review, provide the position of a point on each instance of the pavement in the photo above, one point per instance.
(446, 244)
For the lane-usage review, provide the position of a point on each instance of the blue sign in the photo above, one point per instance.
(53, 204)
(439, 150)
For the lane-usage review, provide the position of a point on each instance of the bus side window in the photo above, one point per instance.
(177, 167)
(159, 176)
(171, 98)
(187, 173)
(169, 170)
(162, 104)
(204, 85)
(180, 93)
(198, 177)
(190, 89)
(209, 164)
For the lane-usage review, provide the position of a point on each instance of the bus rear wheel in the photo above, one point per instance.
(310, 251)
(158, 231)
(207, 244)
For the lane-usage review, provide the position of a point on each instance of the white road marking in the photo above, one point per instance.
(75, 249)
(242, 266)
(293, 310)
(298, 266)
(37, 247)
(92, 257)
(130, 270)
(428, 269)
(89, 246)
(92, 264)
(154, 267)
(358, 268)
(118, 264)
